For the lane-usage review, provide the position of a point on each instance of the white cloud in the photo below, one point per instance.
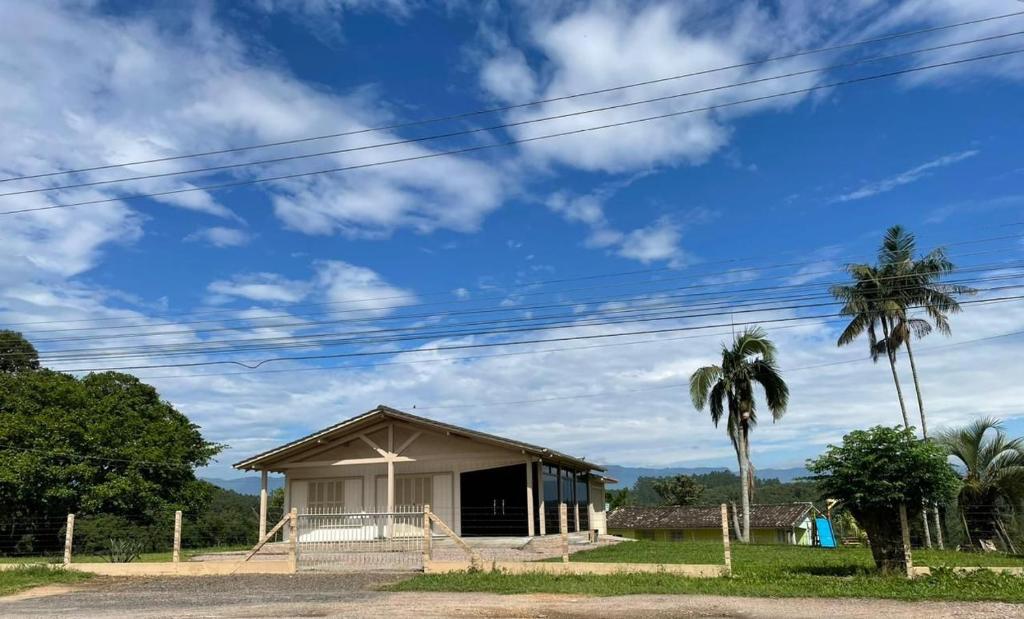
(260, 287)
(658, 241)
(118, 102)
(904, 178)
(359, 288)
(219, 236)
(595, 45)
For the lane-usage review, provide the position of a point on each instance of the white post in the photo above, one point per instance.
(176, 551)
(529, 498)
(563, 527)
(725, 540)
(427, 550)
(391, 481)
(69, 536)
(938, 529)
(263, 504)
(540, 498)
(293, 540)
(576, 512)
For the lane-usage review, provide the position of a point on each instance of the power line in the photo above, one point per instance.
(578, 396)
(482, 344)
(514, 291)
(641, 297)
(493, 110)
(491, 146)
(507, 125)
(405, 334)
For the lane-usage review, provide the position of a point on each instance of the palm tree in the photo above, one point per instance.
(914, 283)
(993, 475)
(729, 387)
(870, 303)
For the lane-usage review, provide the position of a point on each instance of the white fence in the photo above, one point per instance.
(361, 541)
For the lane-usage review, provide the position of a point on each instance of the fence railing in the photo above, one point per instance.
(376, 540)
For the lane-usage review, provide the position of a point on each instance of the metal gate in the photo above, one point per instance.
(361, 541)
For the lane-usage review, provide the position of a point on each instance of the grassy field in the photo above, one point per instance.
(12, 581)
(146, 557)
(772, 571)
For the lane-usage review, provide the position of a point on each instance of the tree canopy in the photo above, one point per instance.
(678, 490)
(874, 472)
(105, 443)
(16, 353)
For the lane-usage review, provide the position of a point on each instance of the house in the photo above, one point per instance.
(787, 523)
(386, 461)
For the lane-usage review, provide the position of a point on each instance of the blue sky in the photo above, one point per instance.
(811, 181)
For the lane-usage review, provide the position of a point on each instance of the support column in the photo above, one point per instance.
(529, 498)
(540, 498)
(391, 480)
(263, 504)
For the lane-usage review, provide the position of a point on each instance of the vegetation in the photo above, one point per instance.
(993, 477)
(12, 581)
(776, 571)
(102, 444)
(729, 388)
(16, 353)
(876, 471)
(678, 490)
(718, 487)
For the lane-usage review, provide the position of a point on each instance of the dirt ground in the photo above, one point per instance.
(354, 595)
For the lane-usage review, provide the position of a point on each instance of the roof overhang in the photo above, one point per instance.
(278, 455)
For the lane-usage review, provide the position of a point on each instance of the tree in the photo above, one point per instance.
(728, 389)
(678, 490)
(870, 303)
(16, 353)
(913, 282)
(993, 477)
(103, 444)
(874, 472)
(618, 498)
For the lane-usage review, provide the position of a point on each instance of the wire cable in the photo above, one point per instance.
(507, 125)
(493, 110)
(512, 142)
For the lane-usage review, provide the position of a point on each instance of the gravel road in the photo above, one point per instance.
(354, 595)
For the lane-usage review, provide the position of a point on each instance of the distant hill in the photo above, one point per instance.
(250, 484)
(627, 475)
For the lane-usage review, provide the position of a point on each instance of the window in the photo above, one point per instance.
(328, 496)
(417, 491)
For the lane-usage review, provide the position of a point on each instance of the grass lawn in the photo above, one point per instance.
(146, 557)
(12, 581)
(772, 571)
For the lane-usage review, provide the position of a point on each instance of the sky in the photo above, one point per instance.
(720, 214)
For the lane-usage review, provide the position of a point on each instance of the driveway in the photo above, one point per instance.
(354, 595)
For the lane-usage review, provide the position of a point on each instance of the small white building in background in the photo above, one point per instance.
(387, 461)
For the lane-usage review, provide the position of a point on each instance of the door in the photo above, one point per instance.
(494, 501)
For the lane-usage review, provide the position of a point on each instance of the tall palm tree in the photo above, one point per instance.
(914, 283)
(729, 389)
(993, 477)
(870, 303)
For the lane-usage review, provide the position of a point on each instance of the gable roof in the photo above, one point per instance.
(382, 412)
(781, 516)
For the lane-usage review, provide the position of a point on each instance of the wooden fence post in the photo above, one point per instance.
(725, 540)
(427, 550)
(293, 539)
(563, 527)
(176, 552)
(905, 531)
(69, 536)
(541, 519)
